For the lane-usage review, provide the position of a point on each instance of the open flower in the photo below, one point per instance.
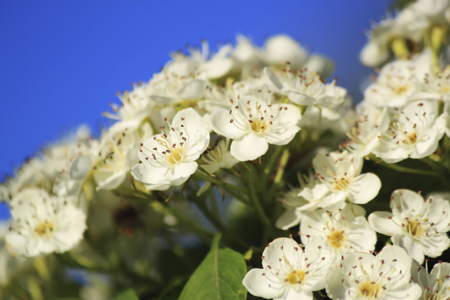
(416, 225)
(415, 134)
(169, 158)
(44, 224)
(307, 88)
(218, 157)
(290, 272)
(364, 276)
(346, 230)
(254, 125)
(435, 285)
(394, 86)
(341, 172)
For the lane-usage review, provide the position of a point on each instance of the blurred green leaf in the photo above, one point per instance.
(219, 276)
(127, 295)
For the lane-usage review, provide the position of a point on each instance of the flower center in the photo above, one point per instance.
(342, 184)
(369, 289)
(336, 239)
(414, 228)
(258, 126)
(174, 156)
(44, 229)
(400, 90)
(295, 277)
(411, 138)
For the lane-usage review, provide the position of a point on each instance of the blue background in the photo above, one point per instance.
(61, 62)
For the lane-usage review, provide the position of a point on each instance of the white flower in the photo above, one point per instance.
(346, 230)
(171, 88)
(432, 84)
(281, 49)
(341, 174)
(10, 264)
(433, 11)
(289, 272)
(416, 225)
(415, 134)
(394, 86)
(307, 88)
(447, 119)
(118, 154)
(169, 158)
(137, 109)
(292, 215)
(254, 125)
(304, 200)
(364, 276)
(372, 122)
(218, 157)
(320, 64)
(246, 53)
(435, 285)
(406, 25)
(44, 224)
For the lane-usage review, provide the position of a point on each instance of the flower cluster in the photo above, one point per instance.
(240, 124)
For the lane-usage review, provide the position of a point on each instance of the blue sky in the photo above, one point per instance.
(61, 62)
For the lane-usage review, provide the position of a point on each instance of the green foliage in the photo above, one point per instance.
(127, 295)
(219, 276)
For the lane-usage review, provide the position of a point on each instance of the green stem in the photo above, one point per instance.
(406, 169)
(201, 232)
(219, 225)
(233, 190)
(257, 205)
(268, 170)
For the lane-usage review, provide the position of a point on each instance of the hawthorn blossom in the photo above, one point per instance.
(415, 134)
(416, 225)
(218, 157)
(371, 123)
(119, 154)
(394, 86)
(435, 285)
(169, 158)
(290, 272)
(254, 125)
(346, 230)
(432, 84)
(303, 200)
(281, 48)
(306, 88)
(341, 173)
(364, 276)
(405, 26)
(44, 224)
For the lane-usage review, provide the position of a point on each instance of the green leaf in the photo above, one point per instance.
(127, 295)
(219, 276)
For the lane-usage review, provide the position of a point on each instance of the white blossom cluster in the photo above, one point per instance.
(421, 22)
(206, 112)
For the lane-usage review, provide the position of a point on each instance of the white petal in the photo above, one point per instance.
(364, 188)
(406, 200)
(413, 248)
(181, 172)
(80, 167)
(259, 285)
(288, 219)
(149, 174)
(273, 78)
(221, 124)
(299, 97)
(249, 147)
(379, 222)
(192, 90)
